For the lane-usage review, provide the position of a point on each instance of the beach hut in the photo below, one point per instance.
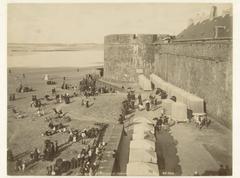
(142, 144)
(144, 83)
(142, 155)
(167, 106)
(142, 127)
(140, 119)
(142, 169)
(143, 135)
(179, 111)
(157, 81)
(46, 77)
(195, 103)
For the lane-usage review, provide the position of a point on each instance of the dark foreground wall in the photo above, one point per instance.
(202, 68)
(109, 162)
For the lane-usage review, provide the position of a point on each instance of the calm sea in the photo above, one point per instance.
(84, 58)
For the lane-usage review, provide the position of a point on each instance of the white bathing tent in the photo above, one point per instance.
(142, 169)
(144, 83)
(158, 82)
(142, 127)
(167, 106)
(140, 119)
(46, 77)
(179, 111)
(143, 135)
(142, 155)
(195, 103)
(142, 144)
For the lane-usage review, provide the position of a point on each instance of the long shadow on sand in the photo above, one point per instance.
(168, 161)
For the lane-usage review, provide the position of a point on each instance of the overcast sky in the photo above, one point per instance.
(86, 23)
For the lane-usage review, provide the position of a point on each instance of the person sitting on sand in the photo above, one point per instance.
(141, 107)
(40, 112)
(18, 115)
(47, 97)
(23, 165)
(59, 113)
(18, 166)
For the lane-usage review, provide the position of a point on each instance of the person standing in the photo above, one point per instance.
(56, 146)
(147, 105)
(36, 155)
(140, 99)
(222, 171)
(10, 155)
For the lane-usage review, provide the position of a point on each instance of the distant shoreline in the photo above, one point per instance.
(48, 47)
(60, 67)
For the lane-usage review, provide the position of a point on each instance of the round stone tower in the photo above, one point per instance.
(127, 55)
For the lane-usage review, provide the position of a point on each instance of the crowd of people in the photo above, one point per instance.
(202, 121)
(50, 150)
(161, 93)
(35, 102)
(76, 135)
(55, 128)
(88, 85)
(21, 164)
(51, 82)
(160, 123)
(86, 161)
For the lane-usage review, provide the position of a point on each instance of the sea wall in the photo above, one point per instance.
(203, 68)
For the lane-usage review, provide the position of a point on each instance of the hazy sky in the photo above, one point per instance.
(83, 23)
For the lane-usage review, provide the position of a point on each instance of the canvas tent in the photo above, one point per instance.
(143, 135)
(140, 119)
(46, 77)
(158, 82)
(142, 169)
(143, 144)
(179, 111)
(167, 106)
(142, 127)
(193, 102)
(142, 155)
(144, 83)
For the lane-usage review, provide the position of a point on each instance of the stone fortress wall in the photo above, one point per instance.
(201, 67)
(125, 53)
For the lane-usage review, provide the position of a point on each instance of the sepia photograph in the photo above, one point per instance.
(119, 89)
